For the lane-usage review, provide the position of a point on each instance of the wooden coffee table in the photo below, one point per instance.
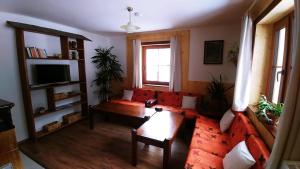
(160, 131)
(138, 112)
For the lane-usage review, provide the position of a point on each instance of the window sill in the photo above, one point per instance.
(267, 132)
(156, 87)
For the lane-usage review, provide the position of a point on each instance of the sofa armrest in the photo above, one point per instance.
(150, 102)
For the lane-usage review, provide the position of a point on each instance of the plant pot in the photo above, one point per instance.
(275, 119)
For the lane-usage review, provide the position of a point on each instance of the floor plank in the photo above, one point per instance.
(108, 146)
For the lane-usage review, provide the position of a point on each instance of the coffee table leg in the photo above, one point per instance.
(134, 147)
(167, 153)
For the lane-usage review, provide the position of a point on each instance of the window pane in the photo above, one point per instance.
(164, 56)
(152, 57)
(152, 73)
(280, 47)
(277, 84)
(164, 74)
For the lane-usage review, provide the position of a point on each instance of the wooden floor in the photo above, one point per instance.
(108, 146)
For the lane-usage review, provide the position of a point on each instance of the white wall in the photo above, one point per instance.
(119, 43)
(10, 88)
(201, 72)
(197, 70)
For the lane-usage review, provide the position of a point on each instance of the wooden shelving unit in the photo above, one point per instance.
(66, 50)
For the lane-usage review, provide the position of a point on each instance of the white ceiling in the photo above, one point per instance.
(109, 15)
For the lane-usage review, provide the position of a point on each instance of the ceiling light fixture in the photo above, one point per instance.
(129, 27)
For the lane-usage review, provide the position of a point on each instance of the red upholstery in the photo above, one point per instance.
(140, 95)
(216, 144)
(206, 124)
(199, 159)
(241, 129)
(259, 151)
(173, 99)
(209, 145)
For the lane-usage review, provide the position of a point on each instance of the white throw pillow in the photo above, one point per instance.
(127, 95)
(189, 102)
(238, 158)
(226, 120)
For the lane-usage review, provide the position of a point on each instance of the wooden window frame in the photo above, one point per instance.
(152, 45)
(285, 22)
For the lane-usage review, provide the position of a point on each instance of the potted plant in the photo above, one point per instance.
(215, 102)
(108, 70)
(268, 112)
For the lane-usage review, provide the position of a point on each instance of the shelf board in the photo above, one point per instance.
(59, 108)
(45, 86)
(71, 95)
(75, 49)
(43, 133)
(49, 58)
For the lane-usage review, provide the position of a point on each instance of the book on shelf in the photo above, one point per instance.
(33, 52)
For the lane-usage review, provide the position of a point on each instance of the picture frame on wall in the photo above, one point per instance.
(213, 52)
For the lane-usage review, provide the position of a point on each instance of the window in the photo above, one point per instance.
(281, 61)
(156, 63)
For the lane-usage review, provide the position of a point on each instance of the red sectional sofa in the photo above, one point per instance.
(209, 145)
(139, 97)
(171, 101)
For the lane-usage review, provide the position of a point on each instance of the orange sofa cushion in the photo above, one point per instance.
(216, 144)
(199, 159)
(140, 95)
(241, 129)
(173, 99)
(259, 151)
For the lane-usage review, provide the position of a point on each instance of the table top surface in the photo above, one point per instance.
(161, 126)
(128, 110)
(4, 103)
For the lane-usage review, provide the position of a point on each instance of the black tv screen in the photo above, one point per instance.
(52, 73)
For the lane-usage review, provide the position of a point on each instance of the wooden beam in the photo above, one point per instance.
(38, 29)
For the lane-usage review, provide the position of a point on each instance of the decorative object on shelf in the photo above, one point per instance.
(215, 102)
(71, 118)
(234, 53)
(40, 110)
(109, 69)
(158, 109)
(52, 126)
(213, 52)
(268, 112)
(130, 27)
(73, 44)
(74, 55)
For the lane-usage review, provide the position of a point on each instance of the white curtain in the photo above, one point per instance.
(175, 68)
(243, 77)
(287, 142)
(137, 64)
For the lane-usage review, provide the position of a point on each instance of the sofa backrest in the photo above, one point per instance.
(241, 129)
(173, 99)
(141, 95)
(259, 151)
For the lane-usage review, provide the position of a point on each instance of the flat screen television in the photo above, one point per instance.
(50, 73)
